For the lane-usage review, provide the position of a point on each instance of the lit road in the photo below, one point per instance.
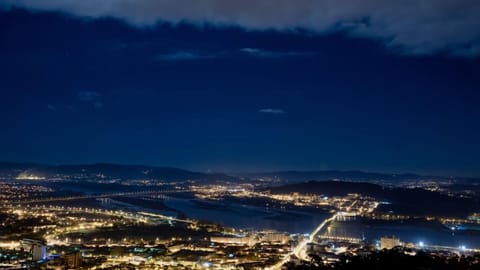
(456, 249)
(300, 249)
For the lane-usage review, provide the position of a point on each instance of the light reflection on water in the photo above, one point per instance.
(427, 232)
(252, 217)
(243, 216)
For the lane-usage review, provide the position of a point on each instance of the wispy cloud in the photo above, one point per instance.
(273, 54)
(186, 55)
(416, 26)
(272, 111)
(98, 105)
(88, 96)
(92, 98)
(51, 107)
(183, 56)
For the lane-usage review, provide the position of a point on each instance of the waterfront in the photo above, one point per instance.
(428, 233)
(298, 221)
(247, 216)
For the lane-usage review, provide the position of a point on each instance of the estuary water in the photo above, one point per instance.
(248, 217)
(429, 233)
(258, 218)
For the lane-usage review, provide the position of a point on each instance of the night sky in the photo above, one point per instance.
(229, 86)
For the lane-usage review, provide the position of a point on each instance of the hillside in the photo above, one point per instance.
(401, 200)
(105, 171)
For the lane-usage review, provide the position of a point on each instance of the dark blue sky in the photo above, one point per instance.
(77, 90)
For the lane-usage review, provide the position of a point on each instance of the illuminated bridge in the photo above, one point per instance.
(96, 196)
(300, 249)
(340, 238)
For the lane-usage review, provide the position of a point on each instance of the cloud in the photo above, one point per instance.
(411, 26)
(182, 55)
(185, 55)
(88, 96)
(98, 105)
(51, 107)
(91, 98)
(272, 111)
(273, 54)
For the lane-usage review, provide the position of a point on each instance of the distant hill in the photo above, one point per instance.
(119, 171)
(304, 176)
(333, 188)
(415, 201)
(105, 171)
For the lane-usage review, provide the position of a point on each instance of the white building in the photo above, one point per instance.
(232, 240)
(37, 247)
(389, 242)
(275, 237)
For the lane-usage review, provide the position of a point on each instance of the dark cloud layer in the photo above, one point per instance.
(83, 90)
(410, 26)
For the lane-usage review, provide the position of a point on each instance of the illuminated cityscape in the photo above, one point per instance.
(46, 226)
(243, 135)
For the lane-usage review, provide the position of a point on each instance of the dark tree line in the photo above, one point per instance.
(393, 260)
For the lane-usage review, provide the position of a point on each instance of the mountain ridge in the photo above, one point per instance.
(106, 170)
(296, 176)
(138, 171)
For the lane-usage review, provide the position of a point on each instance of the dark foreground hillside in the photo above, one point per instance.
(395, 259)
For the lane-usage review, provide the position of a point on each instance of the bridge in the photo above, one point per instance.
(340, 238)
(138, 216)
(300, 249)
(94, 196)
